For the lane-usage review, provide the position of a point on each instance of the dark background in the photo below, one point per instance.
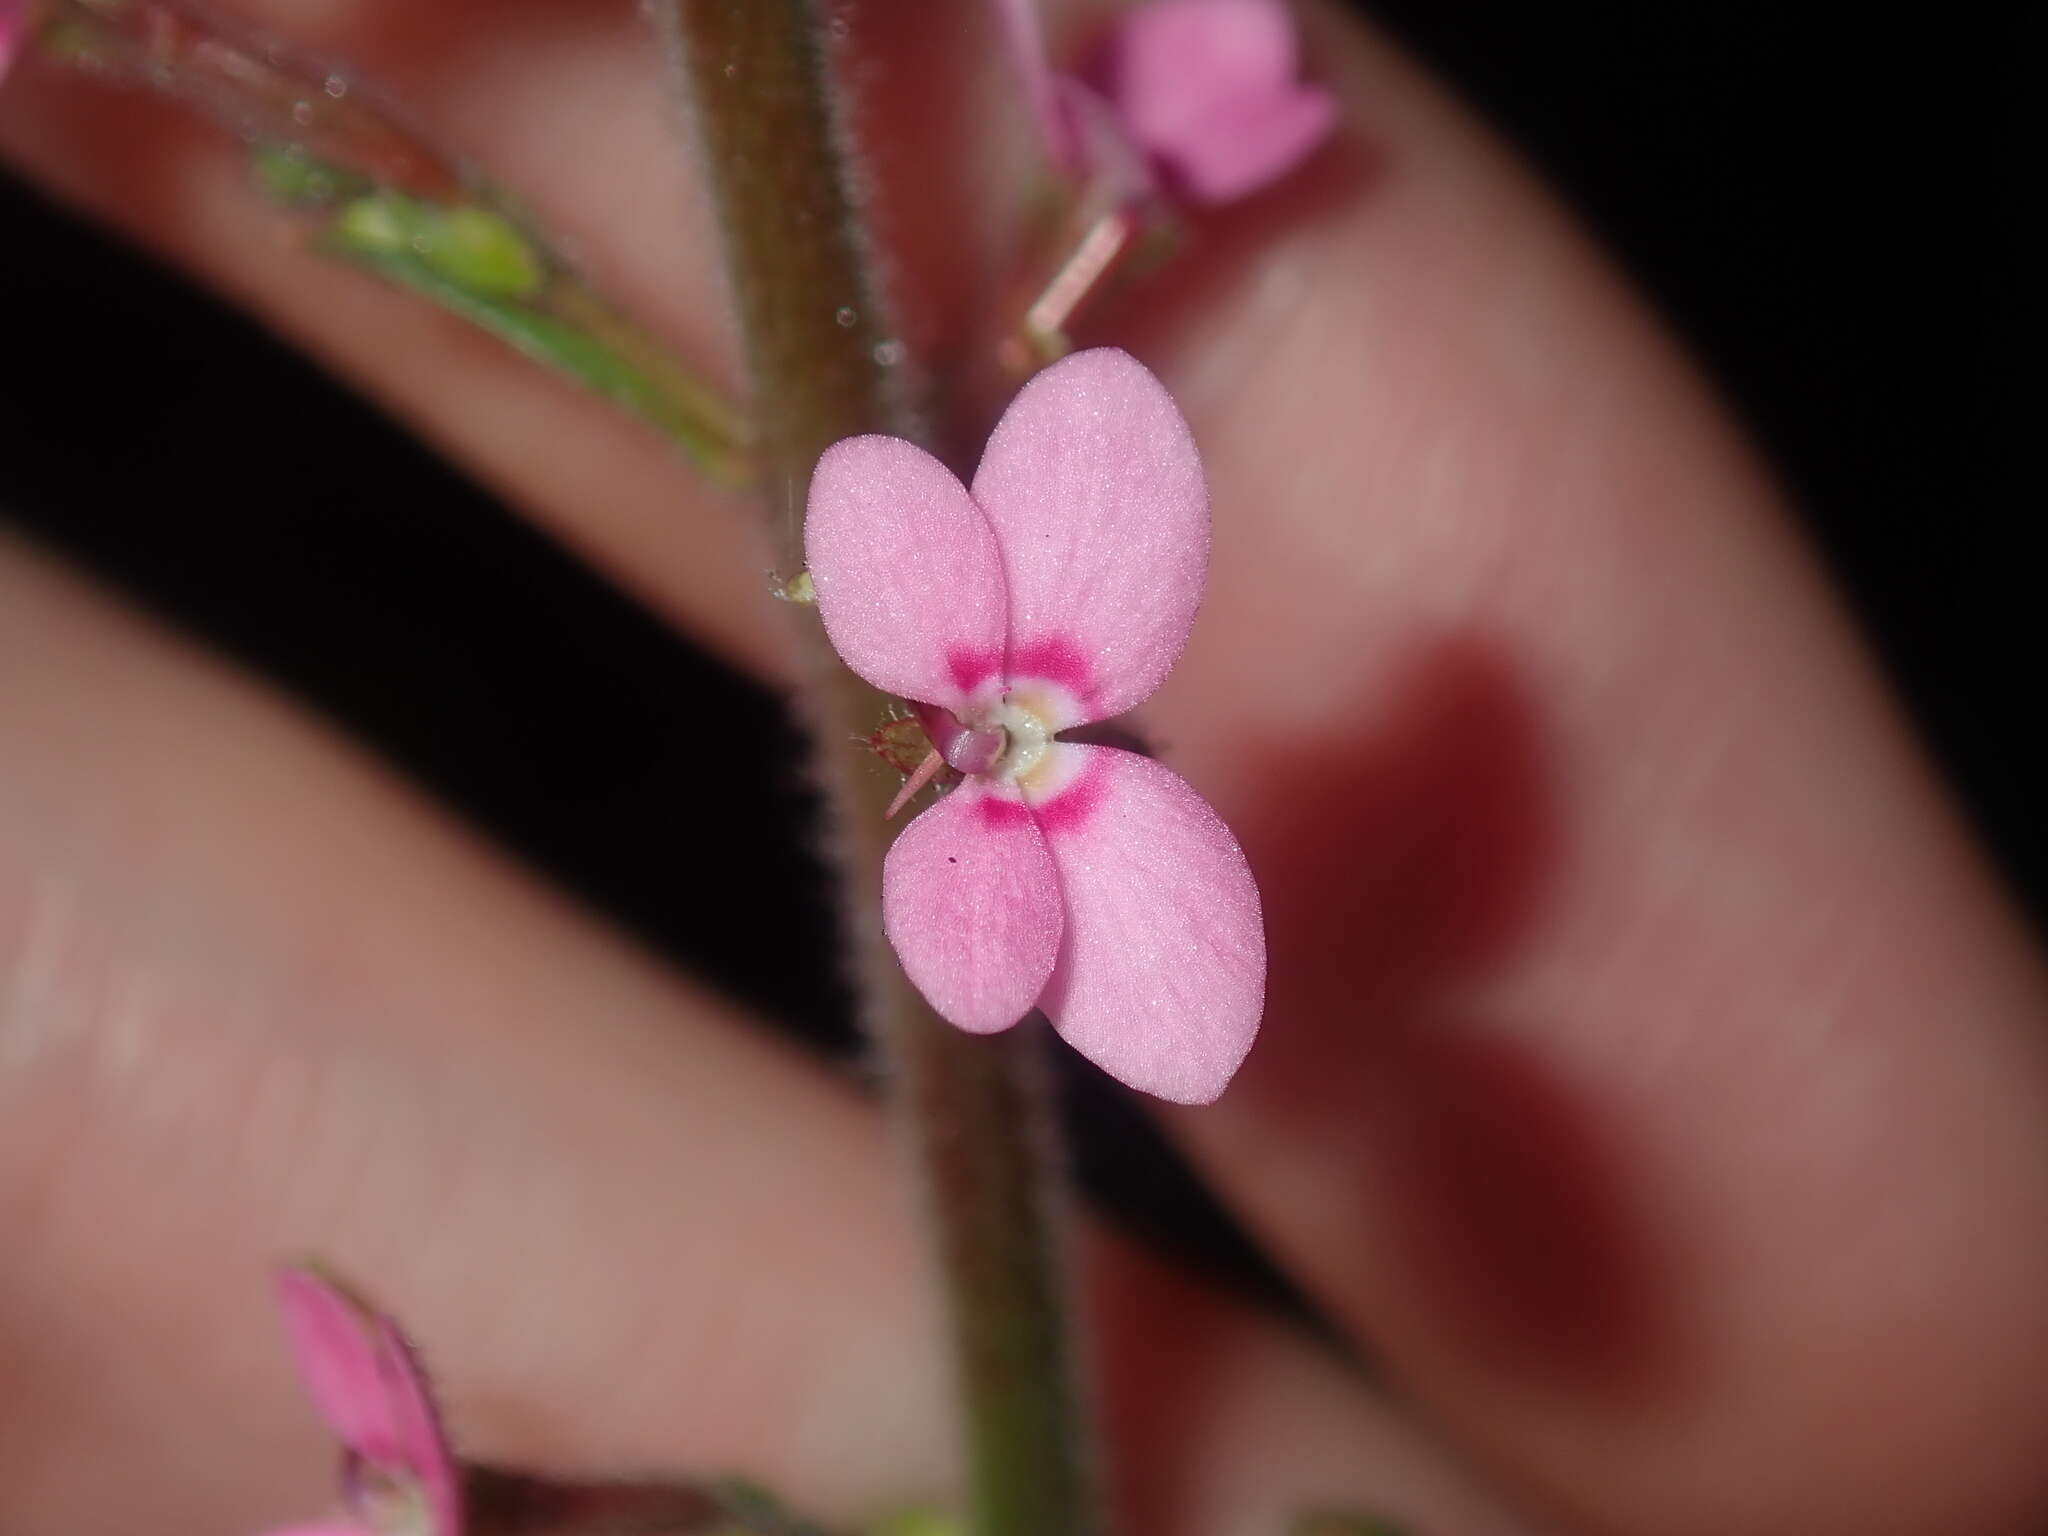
(1828, 210)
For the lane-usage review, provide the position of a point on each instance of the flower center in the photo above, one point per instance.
(1025, 739)
(974, 750)
(1006, 740)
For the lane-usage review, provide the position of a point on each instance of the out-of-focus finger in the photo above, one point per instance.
(256, 1000)
(1652, 1072)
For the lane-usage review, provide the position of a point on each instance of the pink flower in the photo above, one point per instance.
(399, 1477)
(1200, 93)
(1084, 880)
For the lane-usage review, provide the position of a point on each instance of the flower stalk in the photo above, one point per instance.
(974, 1109)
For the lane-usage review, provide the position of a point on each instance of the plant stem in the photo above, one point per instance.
(974, 1107)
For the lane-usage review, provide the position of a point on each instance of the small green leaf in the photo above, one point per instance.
(477, 249)
(392, 236)
(381, 224)
(481, 250)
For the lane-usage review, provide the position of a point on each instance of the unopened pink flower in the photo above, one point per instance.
(399, 1477)
(1084, 880)
(1203, 95)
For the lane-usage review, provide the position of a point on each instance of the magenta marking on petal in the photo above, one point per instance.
(971, 665)
(1094, 491)
(998, 811)
(905, 565)
(1072, 807)
(1053, 659)
(1161, 975)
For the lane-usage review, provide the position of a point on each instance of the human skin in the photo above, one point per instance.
(1654, 1078)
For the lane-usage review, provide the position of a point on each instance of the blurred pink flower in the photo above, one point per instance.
(1200, 95)
(399, 1477)
(1084, 880)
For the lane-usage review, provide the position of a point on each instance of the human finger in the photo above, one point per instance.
(257, 1000)
(1652, 1071)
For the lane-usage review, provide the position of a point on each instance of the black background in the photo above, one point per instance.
(1828, 210)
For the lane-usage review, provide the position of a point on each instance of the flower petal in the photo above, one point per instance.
(422, 1445)
(1162, 974)
(1209, 87)
(1245, 145)
(334, 1342)
(909, 582)
(323, 1528)
(363, 1379)
(970, 902)
(1095, 490)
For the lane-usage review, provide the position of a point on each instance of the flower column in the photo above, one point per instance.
(757, 84)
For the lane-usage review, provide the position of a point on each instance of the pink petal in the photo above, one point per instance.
(1243, 146)
(970, 902)
(908, 579)
(1209, 87)
(323, 1528)
(363, 1379)
(422, 1445)
(1170, 61)
(1095, 490)
(334, 1343)
(1162, 974)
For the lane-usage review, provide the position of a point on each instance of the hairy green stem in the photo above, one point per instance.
(822, 366)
